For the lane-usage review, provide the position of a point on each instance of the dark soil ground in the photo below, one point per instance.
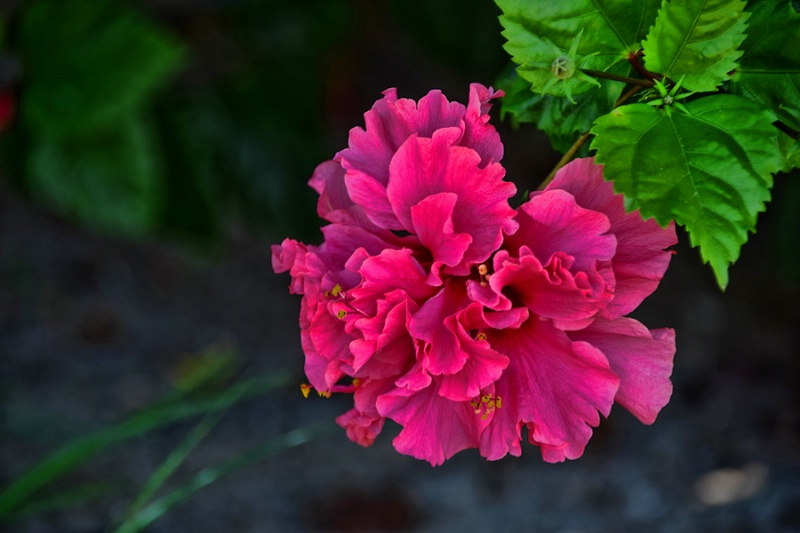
(93, 329)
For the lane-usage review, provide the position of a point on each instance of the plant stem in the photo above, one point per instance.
(582, 139)
(565, 159)
(633, 59)
(616, 77)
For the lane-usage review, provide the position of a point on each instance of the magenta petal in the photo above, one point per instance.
(434, 428)
(386, 349)
(393, 269)
(555, 386)
(478, 133)
(550, 293)
(641, 259)
(552, 222)
(423, 167)
(482, 367)
(432, 219)
(435, 324)
(641, 358)
(363, 423)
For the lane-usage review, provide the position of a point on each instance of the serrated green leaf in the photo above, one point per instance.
(790, 149)
(520, 104)
(697, 41)
(563, 121)
(612, 29)
(769, 70)
(110, 181)
(89, 62)
(710, 171)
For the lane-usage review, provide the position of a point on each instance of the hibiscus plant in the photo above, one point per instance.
(438, 305)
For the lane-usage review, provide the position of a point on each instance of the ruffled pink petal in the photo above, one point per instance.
(390, 270)
(554, 386)
(640, 260)
(432, 219)
(465, 365)
(363, 423)
(424, 167)
(330, 350)
(385, 348)
(553, 222)
(478, 133)
(434, 428)
(548, 291)
(641, 358)
(435, 324)
(482, 367)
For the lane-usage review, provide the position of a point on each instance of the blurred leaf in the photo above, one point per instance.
(74, 497)
(769, 70)
(208, 369)
(612, 29)
(205, 477)
(75, 453)
(709, 170)
(89, 63)
(697, 41)
(110, 180)
(182, 451)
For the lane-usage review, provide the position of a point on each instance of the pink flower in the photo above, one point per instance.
(440, 307)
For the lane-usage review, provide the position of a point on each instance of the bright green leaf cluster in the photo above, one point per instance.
(696, 40)
(695, 155)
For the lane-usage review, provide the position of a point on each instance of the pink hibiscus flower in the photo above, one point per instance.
(440, 307)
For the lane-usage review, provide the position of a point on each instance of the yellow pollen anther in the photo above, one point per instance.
(305, 388)
(324, 394)
(337, 289)
(486, 404)
(356, 382)
(341, 314)
(482, 269)
(481, 336)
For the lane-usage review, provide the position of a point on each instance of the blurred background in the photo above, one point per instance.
(152, 150)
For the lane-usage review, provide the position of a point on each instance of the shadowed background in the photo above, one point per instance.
(151, 153)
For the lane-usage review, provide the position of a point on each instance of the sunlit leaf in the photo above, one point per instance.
(710, 170)
(611, 30)
(697, 41)
(769, 70)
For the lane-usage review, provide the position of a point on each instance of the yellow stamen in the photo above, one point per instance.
(305, 388)
(483, 269)
(341, 314)
(337, 289)
(481, 336)
(486, 404)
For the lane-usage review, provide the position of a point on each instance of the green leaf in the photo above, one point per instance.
(563, 121)
(612, 29)
(769, 70)
(696, 40)
(110, 181)
(790, 149)
(710, 170)
(89, 62)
